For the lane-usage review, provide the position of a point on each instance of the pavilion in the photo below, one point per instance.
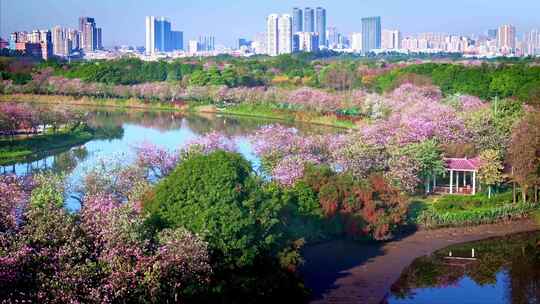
(461, 177)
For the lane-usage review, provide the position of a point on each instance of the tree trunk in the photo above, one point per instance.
(536, 193)
(524, 193)
(514, 192)
(489, 191)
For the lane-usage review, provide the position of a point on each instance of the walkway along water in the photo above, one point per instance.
(352, 272)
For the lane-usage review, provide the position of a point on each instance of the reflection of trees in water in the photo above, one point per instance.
(63, 162)
(518, 255)
(66, 162)
(200, 123)
(524, 276)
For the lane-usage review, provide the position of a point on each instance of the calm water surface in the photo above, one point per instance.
(506, 271)
(130, 128)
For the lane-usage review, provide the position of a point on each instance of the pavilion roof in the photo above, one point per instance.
(462, 164)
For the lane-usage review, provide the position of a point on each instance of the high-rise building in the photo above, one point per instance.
(272, 42)
(371, 33)
(162, 34)
(356, 42)
(333, 37)
(99, 41)
(506, 37)
(193, 46)
(160, 37)
(285, 34)
(533, 42)
(150, 25)
(243, 42)
(177, 40)
(320, 27)
(298, 20)
(61, 42)
(74, 37)
(259, 43)
(492, 34)
(309, 20)
(207, 43)
(158, 34)
(308, 41)
(89, 39)
(391, 39)
(4, 44)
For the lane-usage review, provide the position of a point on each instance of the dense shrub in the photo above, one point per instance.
(366, 207)
(245, 223)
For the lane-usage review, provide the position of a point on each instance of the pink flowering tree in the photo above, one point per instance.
(158, 161)
(210, 142)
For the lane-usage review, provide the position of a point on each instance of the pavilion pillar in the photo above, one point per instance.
(451, 180)
(464, 179)
(474, 182)
(457, 181)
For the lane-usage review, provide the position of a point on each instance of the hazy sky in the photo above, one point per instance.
(123, 20)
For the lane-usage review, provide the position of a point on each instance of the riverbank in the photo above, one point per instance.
(27, 149)
(255, 111)
(352, 272)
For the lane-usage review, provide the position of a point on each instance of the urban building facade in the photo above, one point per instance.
(371, 34)
(309, 20)
(391, 39)
(307, 41)
(160, 37)
(356, 42)
(285, 34)
(90, 35)
(298, 20)
(506, 37)
(320, 27)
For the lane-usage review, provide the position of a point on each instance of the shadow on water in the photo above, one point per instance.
(327, 262)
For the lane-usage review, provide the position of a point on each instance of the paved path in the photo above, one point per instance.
(348, 272)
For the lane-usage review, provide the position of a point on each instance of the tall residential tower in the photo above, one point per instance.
(320, 26)
(371, 34)
(298, 20)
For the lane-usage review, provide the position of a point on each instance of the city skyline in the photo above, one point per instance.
(127, 27)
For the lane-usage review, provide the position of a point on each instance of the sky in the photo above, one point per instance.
(123, 20)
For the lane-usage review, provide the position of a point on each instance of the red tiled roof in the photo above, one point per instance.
(462, 163)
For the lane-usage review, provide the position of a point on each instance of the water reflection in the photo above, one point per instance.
(506, 270)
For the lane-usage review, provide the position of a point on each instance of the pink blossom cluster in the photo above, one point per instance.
(285, 152)
(471, 103)
(211, 142)
(156, 159)
(314, 99)
(14, 197)
(416, 114)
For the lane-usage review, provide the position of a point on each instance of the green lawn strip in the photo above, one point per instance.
(274, 112)
(432, 218)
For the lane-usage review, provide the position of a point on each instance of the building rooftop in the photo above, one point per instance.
(462, 164)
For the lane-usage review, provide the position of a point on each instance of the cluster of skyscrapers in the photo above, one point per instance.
(304, 30)
(502, 41)
(160, 37)
(60, 41)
